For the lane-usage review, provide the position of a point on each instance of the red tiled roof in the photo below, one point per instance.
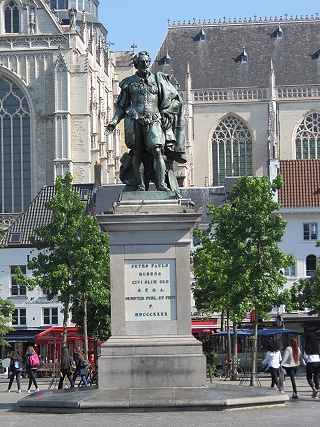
(301, 183)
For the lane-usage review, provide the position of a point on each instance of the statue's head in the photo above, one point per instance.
(143, 54)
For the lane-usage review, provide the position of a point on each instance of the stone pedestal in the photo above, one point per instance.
(151, 343)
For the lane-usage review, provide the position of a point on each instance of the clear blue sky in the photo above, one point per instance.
(145, 22)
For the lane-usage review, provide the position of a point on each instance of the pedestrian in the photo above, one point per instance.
(312, 359)
(290, 361)
(41, 360)
(32, 365)
(66, 368)
(273, 360)
(15, 370)
(81, 363)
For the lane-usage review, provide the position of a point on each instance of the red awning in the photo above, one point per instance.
(54, 334)
(199, 326)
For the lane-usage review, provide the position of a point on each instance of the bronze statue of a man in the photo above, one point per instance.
(154, 131)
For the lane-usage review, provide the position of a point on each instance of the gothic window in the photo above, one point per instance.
(15, 161)
(12, 17)
(308, 138)
(231, 150)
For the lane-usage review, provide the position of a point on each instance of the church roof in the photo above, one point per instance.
(301, 183)
(237, 54)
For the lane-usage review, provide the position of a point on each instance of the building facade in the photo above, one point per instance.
(252, 104)
(34, 312)
(251, 90)
(56, 95)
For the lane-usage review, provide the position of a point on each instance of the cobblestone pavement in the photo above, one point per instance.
(303, 411)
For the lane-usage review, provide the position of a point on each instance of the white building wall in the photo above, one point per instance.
(35, 301)
(293, 242)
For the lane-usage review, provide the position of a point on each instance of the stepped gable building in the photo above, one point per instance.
(251, 89)
(56, 94)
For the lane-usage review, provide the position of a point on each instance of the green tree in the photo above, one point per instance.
(73, 253)
(92, 278)
(247, 231)
(99, 321)
(6, 310)
(305, 294)
(212, 268)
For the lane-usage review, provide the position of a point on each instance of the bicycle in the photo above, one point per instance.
(226, 371)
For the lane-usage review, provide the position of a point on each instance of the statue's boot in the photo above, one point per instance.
(163, 187)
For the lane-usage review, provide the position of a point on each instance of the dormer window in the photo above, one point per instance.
(12, 17)
(279, 32)
(244, 57)
(316, 55)
(15, 237)
(166, 60)
(200, 36)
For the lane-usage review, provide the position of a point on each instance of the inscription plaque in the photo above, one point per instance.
(150, 290)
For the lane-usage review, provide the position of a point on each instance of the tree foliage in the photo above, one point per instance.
(99, 320)
(73, 260)
(6, 310)
(305, 293)
(238, 264)
(91, 290)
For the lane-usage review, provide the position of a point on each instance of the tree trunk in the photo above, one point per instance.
(235, 352)
(85, 325)
(228, 337)
(253, 381)
(65, 322)
(222, 321)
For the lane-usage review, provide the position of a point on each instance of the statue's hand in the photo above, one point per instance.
(110, 128)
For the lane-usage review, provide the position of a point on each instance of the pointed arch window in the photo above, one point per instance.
(15, 146)
(308, 137)
(231, 150)
(12, 17)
